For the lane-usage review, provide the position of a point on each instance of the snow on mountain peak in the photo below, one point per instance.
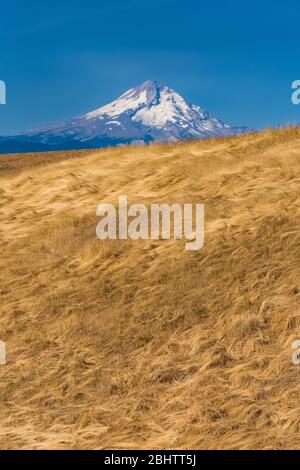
(132, 99)
(151, 104)
(169, 107)
(149, 112)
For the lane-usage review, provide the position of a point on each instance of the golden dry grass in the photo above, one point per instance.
(143, 344)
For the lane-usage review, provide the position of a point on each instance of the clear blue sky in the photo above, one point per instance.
(63, 58)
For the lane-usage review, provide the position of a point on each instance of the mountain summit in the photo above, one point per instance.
(147, 113)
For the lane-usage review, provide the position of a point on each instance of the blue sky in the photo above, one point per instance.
(63, 58)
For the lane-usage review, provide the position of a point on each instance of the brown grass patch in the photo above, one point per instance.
(142, 344)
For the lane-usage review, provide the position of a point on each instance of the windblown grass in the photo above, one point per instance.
(142, 344)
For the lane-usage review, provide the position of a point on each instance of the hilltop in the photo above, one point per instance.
(143, 344)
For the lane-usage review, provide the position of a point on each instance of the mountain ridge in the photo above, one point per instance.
(150, 112)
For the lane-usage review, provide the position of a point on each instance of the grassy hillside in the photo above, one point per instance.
(143, 344)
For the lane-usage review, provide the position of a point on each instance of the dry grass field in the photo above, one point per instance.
(143, 345)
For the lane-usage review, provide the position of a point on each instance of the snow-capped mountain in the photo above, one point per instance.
(149, 112)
